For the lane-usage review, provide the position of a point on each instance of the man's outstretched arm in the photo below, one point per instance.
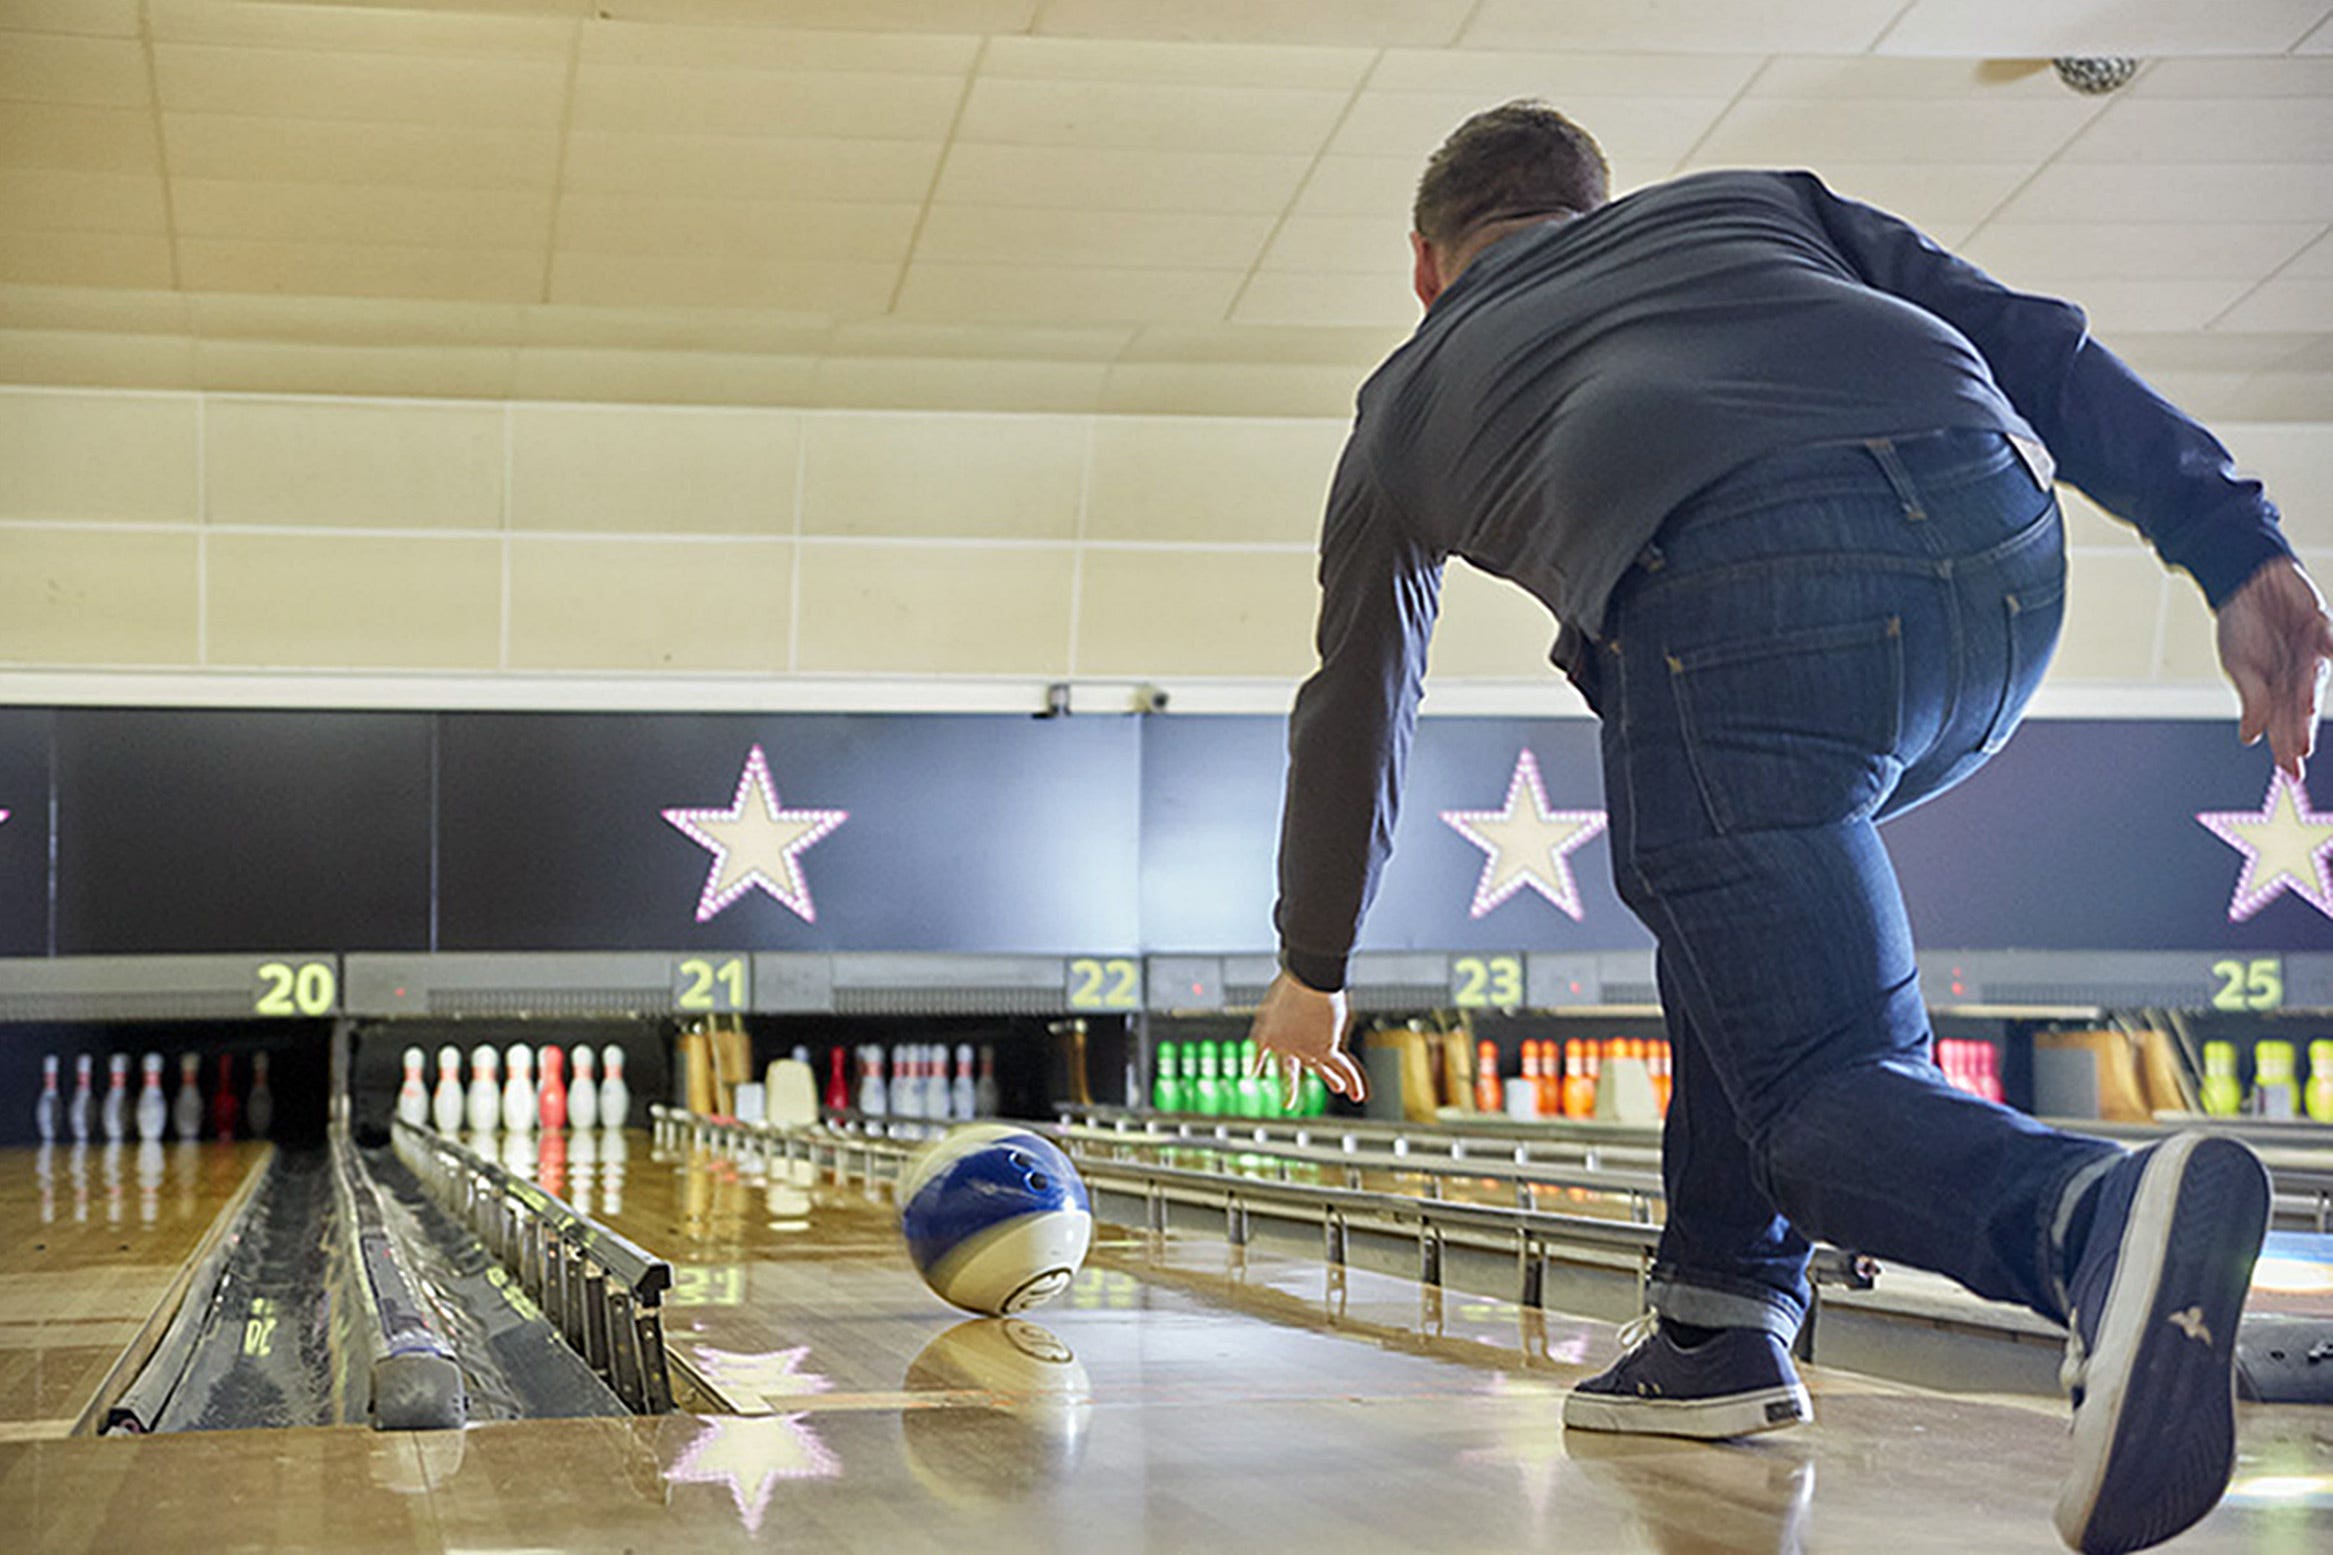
(1348, 746)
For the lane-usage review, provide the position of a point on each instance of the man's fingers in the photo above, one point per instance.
(1292, 1081)
(1341, 1072)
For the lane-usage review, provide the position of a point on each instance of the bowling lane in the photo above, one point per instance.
(91, 1237)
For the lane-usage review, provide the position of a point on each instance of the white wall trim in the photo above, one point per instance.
(1539, 697)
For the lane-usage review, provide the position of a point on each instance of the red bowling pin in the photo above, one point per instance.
(223, 1099)
(551, 1093)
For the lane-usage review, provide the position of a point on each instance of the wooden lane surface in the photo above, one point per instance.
(1177, 1398)
(91, 1238)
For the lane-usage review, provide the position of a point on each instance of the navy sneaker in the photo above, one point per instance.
(2151, 1355)
(1738, 1382)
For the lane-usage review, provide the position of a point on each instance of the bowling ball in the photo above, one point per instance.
(1007, 1414)
(995, 1217)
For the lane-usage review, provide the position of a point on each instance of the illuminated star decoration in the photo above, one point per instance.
(1529, 844)
(2286, 846)
(754, 843)
(750, 1454)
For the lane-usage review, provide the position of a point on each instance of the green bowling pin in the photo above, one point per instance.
(1166, 1092)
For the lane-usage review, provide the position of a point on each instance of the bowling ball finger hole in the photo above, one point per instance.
(1039, 1182)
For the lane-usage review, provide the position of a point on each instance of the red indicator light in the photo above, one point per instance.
(1575, 986)
(400, 993)
(1197, 989)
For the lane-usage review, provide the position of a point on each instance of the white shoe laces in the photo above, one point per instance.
(2075, 1368)
(1639, 1330)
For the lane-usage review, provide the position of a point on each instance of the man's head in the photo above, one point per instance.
(1502, 169)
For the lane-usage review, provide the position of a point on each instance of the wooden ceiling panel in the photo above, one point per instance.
(1795, 132)
(782, 232)
(782, 48)
(360, 270)
(1497, 75)
(670, 100)
(230, 146)
(1052, 296)
(2242, 129)
(304, 84)
(810, 287)
(751, 167)
(62, 68)
(1682, 26)
(89, 18)
(2196, 192)
(471, 31)
(2043, 29)
(50, 200)
(73, 138)
(1075, 178)
(1048, 239)
(136, 260)
(1374, 23)
(1176, 64)
(275, 212)
(1149, 118)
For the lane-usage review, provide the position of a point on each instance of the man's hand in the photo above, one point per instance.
(1302, 1028)
(2276, 645)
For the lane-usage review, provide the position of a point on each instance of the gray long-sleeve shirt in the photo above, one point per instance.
(1581, 379)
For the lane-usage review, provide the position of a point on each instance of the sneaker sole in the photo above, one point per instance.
(1703, 1419)
(2155, 1438)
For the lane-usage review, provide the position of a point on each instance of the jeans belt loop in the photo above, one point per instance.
(1899, 479)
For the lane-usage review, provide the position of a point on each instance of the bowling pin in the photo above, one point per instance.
(259, 1106)
(485, 1108)
(518, 1090)
(445, 1106)
(81, 1114)
(153, 1111)
(48, 1112)
(551, 1092)
(984, 1092)
(413, 1094)
(582, 1091)
(615, 1097)
(186, 1108)
(961, 1104)
(223, 1099)
(872, 1100)
(838, 1092)
(116, 1112)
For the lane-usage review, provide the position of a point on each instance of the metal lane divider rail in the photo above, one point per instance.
(1425, 1233)
(601, 1290)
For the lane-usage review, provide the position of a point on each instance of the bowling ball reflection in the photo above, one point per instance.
(1008, 1414)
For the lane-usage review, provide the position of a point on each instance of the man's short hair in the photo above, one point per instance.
(1519, 159)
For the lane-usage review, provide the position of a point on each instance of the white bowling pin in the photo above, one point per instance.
(518, 1091)
(582, 1090)
(485, 1109)
(985, 1100)
(446, 1105)
(116, 1112)
(81, 1113)
(962, 1104)
(872, 1100)
(615, 1097)
(48, 1114)
(413, 1094)
(259, 1106)
(186, 1108)
(153, 1111)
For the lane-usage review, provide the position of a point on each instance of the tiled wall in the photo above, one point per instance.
(214, 531)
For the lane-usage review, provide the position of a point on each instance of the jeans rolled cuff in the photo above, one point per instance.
(1707, 1307)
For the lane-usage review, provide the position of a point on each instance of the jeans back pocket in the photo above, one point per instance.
(1795, 728)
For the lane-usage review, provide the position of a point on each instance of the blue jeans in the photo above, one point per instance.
(1821, 640)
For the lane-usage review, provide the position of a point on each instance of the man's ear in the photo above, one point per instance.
(1426, 271)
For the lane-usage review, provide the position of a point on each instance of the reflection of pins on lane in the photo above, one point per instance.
(485, 1096)
(615, 1096)
(518, 1091)
(445, 1107)
(116, 1112)
(153, 1111)
(582, 1091)
(413, 1094)
(582, 1159)
(186, 1108)
(518, 1152)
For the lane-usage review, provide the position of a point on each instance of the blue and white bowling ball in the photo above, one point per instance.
(996, 1218)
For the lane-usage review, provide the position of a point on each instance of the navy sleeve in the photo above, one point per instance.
(1349, 736)
(2133, 452)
